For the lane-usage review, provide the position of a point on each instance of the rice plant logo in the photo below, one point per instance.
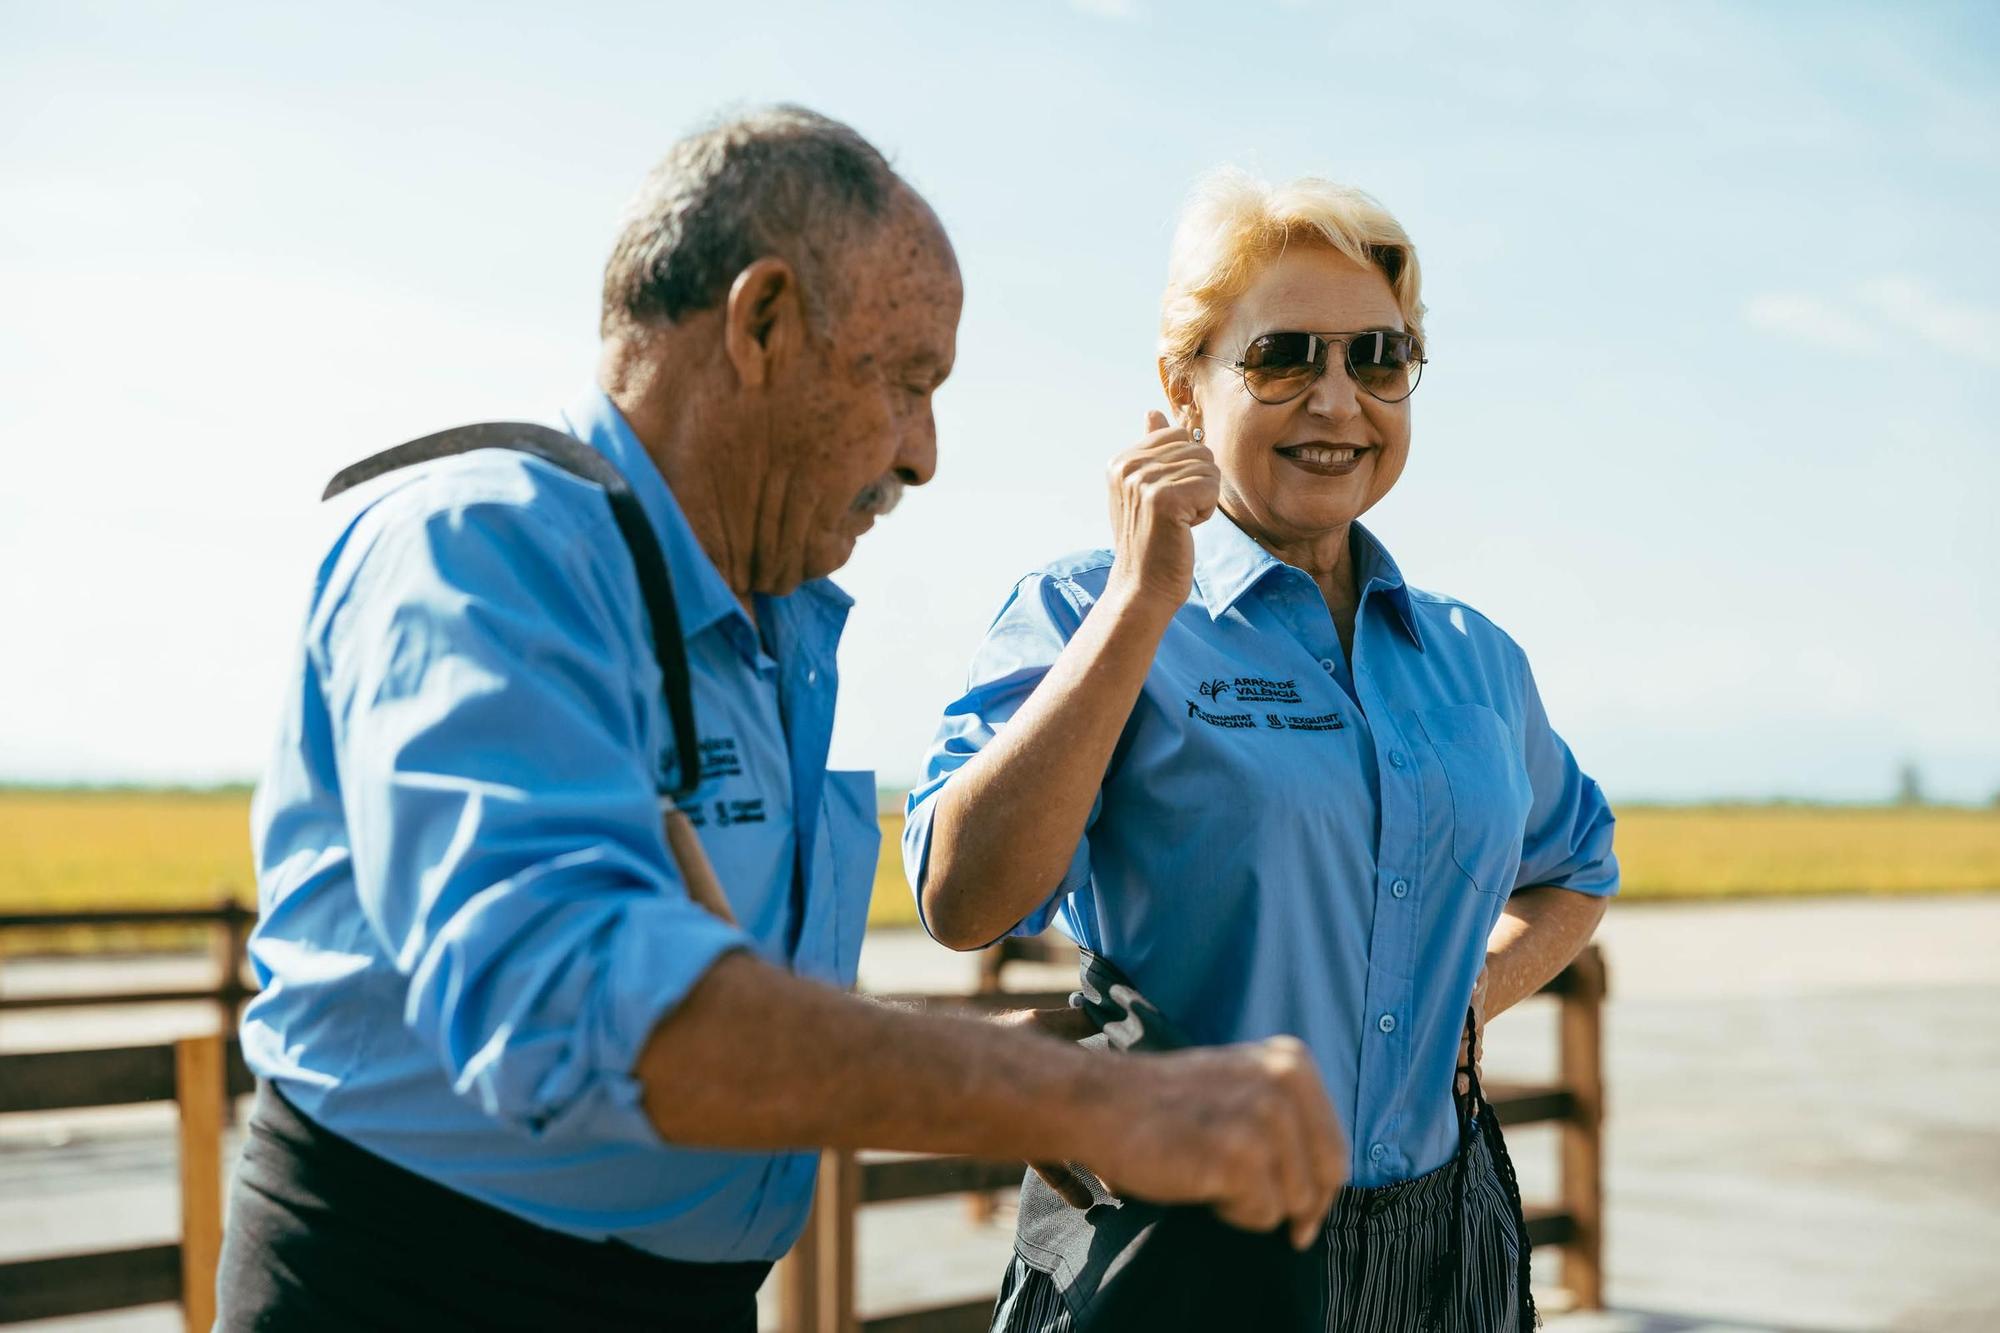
(1214, 689)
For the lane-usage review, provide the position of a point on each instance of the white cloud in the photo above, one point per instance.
(1110, 9)
(1869, 316)
(1809, 319)
(1958, 328)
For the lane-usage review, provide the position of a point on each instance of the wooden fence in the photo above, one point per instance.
(228, 926)
(197, 1075)
(815, 1282)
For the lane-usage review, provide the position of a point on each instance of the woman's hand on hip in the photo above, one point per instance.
(1160, 490)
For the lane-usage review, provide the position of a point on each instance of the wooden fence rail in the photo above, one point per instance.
(198, 1075)
(816, 1282)
(228, 924)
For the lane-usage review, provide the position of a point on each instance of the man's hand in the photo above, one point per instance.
(1459, 1081)
(1291, 1172)
(1245, 1129)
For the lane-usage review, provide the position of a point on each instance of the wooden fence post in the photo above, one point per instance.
(1581, 1070)
(993, 960)
(228, 946)
(199, 1093)
(837, 1200)
(797, 1276)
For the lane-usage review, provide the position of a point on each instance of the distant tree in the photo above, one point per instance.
(1909, 785)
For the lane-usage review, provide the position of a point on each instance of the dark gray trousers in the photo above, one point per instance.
(326, 1237)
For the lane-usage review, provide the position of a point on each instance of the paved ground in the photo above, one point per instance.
(1804, 1134)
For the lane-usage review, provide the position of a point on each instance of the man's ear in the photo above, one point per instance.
(763, 321)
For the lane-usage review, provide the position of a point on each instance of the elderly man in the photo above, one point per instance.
(514, 1073)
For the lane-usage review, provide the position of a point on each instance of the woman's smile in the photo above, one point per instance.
(1325, 459)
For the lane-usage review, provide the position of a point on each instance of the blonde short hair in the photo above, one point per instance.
(1234, 225)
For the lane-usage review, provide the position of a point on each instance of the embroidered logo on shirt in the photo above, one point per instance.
(719, 758)
(739, 812)
(1257, 690)
(1230, 721)
(724, 814)
(1253, 690)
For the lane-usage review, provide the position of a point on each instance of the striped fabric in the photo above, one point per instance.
(1030, 1302)
(1380, 1247)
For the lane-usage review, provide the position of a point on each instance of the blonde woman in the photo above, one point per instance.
(1270, 787)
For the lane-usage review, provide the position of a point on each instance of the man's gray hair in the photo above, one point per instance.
(779, 182)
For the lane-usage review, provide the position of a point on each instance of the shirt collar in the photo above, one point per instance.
(700, 594)
(1228, 562)
(1376, 570)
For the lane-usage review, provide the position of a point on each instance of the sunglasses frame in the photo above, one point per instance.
(1346, 339)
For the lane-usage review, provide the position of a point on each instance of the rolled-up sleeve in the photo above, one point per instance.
(1020, 646)
(1567, 841)
(491, 744)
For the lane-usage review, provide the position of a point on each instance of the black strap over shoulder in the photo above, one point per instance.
(578, 459)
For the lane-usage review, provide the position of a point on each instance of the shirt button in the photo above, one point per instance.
(1387, 1022)
(1401, 888)
(1396, 759)
(812, 676)
(1326, 665)
(1378, 1152)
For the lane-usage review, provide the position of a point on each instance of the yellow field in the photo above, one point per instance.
(68, 851)
(106, 849)
(1740, 851)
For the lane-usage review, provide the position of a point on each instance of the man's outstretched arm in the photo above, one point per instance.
(754, 1057)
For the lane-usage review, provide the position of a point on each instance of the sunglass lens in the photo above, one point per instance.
(1385, 364)
(1279, 366)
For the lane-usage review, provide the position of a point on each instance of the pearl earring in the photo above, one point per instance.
(1197, 435)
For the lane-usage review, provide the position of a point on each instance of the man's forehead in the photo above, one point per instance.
(907, 285)
(911, 253)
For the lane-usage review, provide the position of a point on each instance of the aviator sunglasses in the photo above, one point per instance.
(1278, 367)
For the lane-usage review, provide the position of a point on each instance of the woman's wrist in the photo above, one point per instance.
(1130, 604)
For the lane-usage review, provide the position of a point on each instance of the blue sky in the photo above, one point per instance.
(1715, 316)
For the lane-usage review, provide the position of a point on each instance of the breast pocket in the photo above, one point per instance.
(1490, 795)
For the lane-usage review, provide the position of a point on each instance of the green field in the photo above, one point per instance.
(150, 848)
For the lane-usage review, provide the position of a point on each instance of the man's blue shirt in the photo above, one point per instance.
(1290, 842)
(470, 919)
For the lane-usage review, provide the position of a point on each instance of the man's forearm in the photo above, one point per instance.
(756, 1058)
(1539, 933)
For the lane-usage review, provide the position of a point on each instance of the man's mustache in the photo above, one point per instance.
(880, 496)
